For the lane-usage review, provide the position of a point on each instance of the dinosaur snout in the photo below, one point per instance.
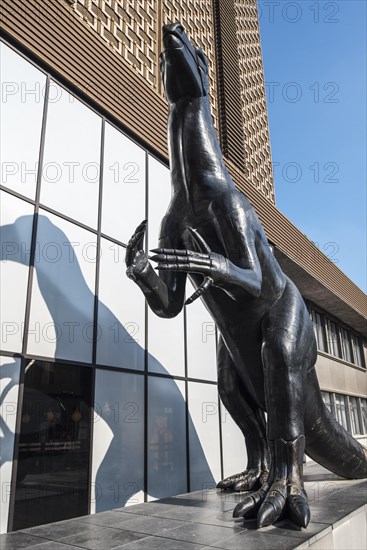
(172, 35)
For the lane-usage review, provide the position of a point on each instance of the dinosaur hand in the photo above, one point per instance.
(136, 259)
(212, 266)
(209, 264)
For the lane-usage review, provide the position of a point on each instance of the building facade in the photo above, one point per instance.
(104, 404)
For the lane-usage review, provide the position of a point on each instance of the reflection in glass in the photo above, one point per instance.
(123, 202)
(121, 312)
(22, 100)
(53, 460)
(118, 448)
(15, 234)
(70, 171)
(62, 305)
(167, 474)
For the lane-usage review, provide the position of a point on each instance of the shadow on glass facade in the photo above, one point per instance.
(73, 191)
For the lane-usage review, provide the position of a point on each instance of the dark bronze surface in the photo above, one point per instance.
(267, 349)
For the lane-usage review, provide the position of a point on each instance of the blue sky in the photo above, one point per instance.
(314, 56)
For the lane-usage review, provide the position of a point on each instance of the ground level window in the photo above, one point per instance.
(53, 458)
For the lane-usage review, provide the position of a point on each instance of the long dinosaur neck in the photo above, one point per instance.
(198, 171)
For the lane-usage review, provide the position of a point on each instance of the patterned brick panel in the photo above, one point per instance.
(133, 29)
(130, 27)
(198, 19)
(256, 130)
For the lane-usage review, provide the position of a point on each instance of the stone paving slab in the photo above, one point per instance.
(201, 520)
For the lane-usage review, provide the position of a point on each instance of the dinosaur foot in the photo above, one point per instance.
(248, 480)
(270, 504)
(283, 494)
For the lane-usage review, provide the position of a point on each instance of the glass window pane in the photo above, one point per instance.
(22, 100)
(332, 334)
(121, 312)
(159, 187)
(118, 441)
(354, 415)
(201, 345)
(357, 354)
(165, 336)
(53, 461)
(364, 415)
(167, 474)
(204, 436)
(9, 387)
(233, 444)
(326, 397)
(341, 410)
(347, 345)
(123, 202)
(70, 172)
(62, 305)
(16, 233)
(166, 345)
(319, 330)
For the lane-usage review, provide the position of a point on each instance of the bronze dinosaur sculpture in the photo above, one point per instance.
(267, 349)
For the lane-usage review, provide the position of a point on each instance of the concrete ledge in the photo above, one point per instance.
(203, 519)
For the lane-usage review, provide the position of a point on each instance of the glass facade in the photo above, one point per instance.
(88, 340)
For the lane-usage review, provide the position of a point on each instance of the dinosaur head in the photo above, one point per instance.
(184, 68)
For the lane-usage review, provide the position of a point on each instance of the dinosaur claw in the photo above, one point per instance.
(225, 483)
(299, 510)
(243, 507)
(242, 485)
(267, 515)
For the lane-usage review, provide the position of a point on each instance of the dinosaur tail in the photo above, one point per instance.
(327, 442)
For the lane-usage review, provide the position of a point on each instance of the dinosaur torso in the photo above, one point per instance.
(204, 197)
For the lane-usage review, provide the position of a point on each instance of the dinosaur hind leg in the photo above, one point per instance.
(288, 352)
(250, 421)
